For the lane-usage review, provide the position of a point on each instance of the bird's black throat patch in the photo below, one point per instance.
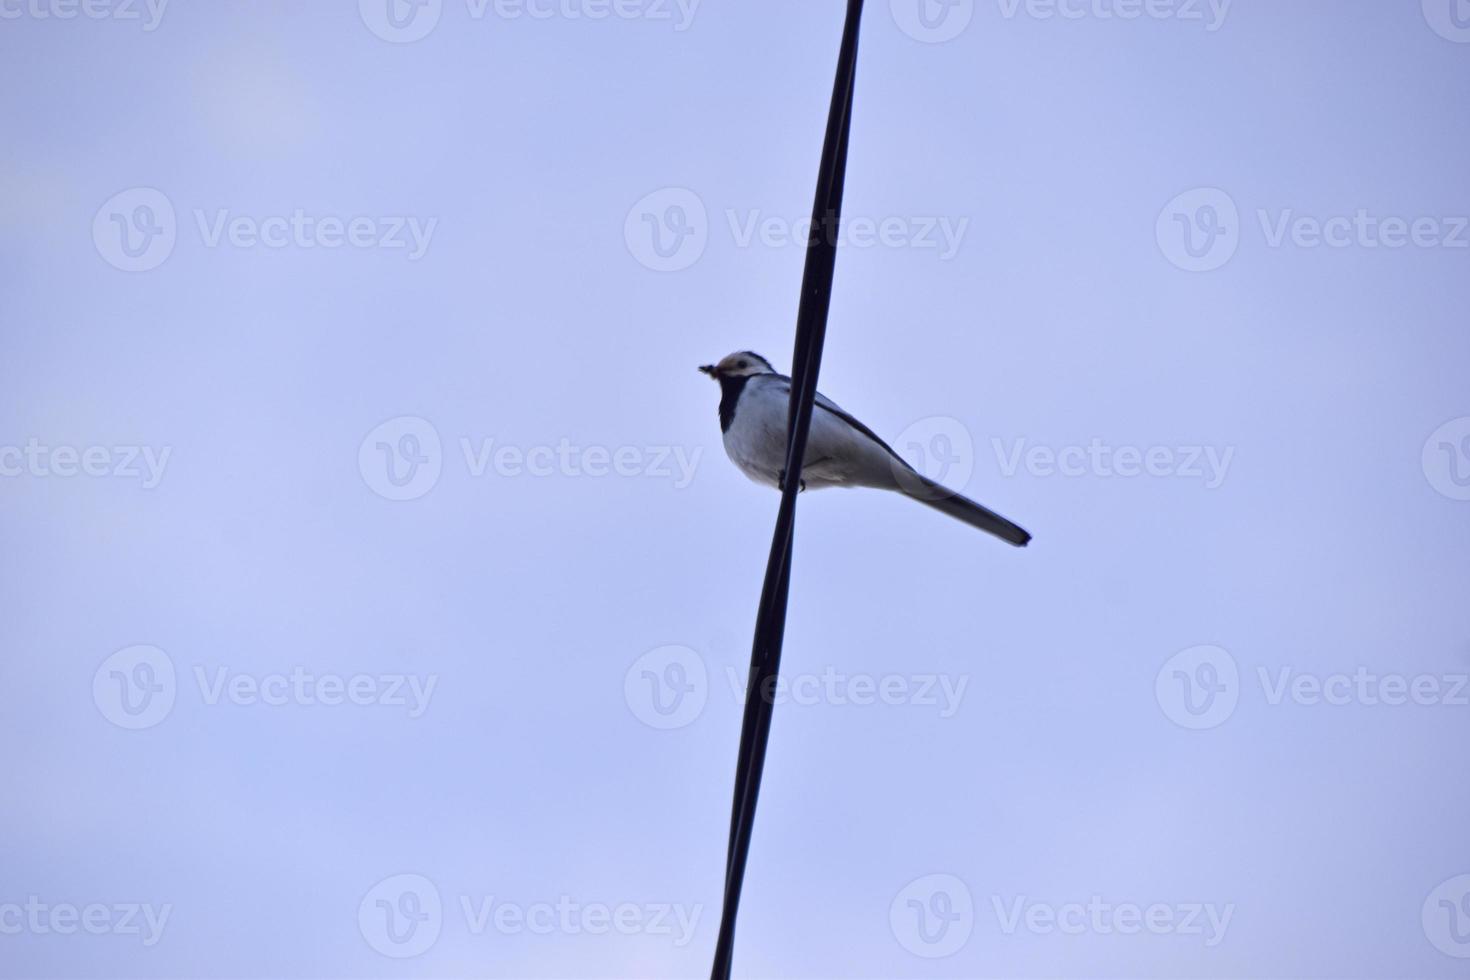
(730, 389)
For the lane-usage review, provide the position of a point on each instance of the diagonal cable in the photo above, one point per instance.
(770, 623)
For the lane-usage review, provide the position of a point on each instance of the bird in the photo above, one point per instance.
(840, 452)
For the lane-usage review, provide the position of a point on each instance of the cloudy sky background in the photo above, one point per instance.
(550, 763)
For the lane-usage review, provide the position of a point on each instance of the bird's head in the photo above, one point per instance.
(741, 364)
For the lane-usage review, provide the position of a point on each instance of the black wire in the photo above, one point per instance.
(806, 361)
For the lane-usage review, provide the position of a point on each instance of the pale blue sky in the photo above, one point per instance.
(196, 497)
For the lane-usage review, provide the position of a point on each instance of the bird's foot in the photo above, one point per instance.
(781, 483)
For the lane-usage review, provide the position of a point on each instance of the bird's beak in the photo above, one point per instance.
(708, 369)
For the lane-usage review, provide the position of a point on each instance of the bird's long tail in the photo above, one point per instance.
(942, 499)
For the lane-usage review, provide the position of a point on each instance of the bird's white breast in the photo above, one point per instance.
(836, 454)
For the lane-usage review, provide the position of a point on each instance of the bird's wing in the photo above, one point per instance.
(824, 402)
(866, 459)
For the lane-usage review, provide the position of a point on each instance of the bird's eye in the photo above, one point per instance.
(743, 364)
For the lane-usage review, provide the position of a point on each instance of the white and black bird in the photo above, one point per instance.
(840, 451)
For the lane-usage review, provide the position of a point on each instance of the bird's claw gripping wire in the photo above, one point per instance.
(781, 483)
